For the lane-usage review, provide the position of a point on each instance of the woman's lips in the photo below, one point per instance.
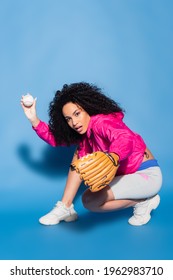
(79, 129)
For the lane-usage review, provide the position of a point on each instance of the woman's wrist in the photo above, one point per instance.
(35, 122)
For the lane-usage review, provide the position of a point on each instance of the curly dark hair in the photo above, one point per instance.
(87, 96)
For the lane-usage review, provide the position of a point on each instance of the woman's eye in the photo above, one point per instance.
(77, 114)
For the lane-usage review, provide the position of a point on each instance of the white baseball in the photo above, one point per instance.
(28, 100)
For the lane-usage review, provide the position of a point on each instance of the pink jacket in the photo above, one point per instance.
(106, 133)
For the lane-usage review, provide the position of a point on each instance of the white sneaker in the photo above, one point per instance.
(59, 213)
(142, 210)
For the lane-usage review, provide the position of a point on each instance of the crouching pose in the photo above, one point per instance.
(111, 159)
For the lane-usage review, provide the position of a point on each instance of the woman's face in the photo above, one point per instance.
(76, 117)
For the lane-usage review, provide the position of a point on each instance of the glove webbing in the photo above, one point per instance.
(115, 163)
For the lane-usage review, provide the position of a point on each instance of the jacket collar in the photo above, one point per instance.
(90, 125)
(115, 116)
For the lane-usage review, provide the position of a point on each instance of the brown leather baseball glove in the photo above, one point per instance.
(96, 169)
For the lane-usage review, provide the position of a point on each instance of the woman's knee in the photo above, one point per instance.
(88, 200)
(93, 200)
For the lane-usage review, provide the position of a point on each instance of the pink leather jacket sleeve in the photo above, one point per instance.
(43, 131)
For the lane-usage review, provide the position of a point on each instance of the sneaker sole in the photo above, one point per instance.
(68, 219)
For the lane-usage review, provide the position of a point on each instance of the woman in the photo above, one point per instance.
(81, 114)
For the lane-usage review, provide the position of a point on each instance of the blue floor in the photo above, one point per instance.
(92, 236)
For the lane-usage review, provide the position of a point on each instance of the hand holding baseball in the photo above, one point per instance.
(28, 104)
(27, 100)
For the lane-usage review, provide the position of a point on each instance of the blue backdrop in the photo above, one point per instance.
(125, 47)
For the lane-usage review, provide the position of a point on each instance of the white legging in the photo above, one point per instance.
(141, 184)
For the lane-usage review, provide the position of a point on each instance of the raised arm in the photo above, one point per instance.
(30, 113)
(40, 127)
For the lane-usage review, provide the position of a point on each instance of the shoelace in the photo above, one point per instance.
(137, 211)
(62, 206)
(57, 205)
